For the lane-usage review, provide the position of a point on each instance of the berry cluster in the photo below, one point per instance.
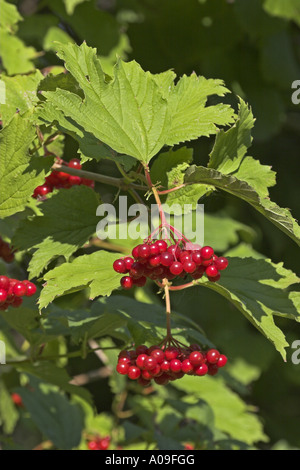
(6, 252)
(12, 291)
(168, 363)
(99, 443)
(59, 179)
(156, 260)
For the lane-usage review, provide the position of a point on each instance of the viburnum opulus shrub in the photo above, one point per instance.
(85, 299)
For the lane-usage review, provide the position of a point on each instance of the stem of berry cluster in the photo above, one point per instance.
(168, 308)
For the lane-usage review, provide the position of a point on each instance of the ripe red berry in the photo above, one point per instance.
(126, 282)
(154, 261)
(159, 355)
(140, 360)
(222, 361)
(212, 356)
(134, 372)
(135, 252)
(175, 365)
(17, 302)
(128, 262)
(104, 443)
(162, 379)
(144, 251)
(184, 256)
(207, 262)
(17, 399)
(3, 296)
(136, 270)
(165, 366)
(189, 266)
(122, 367)
(213, 369)
(143, 382)
(201, 370)
(166, 259)
(196, 358)
(171, 353)
(176, 268)
(186, 366)
(206, 252)
(215, 278)
(19, 290)
(4, 282)
(42, 190)
(142, 349)
(211, 271)
(146, 375)
(75, 163)
(221, 263)
(154, 249)
(75, 180)
(140, 282)
(93, 445)
(30, 289)
(162, 245)
(150, 363)
(120, 266)
(156, 371)
(196, 257)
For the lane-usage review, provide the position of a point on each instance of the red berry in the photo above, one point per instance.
(221, 263)
(120, 266)
(213, 369)
(154, 249)
(134, 372)
(42, 190)
(4, 282)
(189, 266)
(128, 262)
(135, 252)
(201, 370)
(17, 302)
(196, 257)
(126, 282)
(89, 183)
(122, 368)
(17, 399)
(150, 363)
(189, 447)
(184, 256)
(166, 259)
(93, 445)
(162, 245)
(30, 289)
(198, 273)
(222, 361)
(156, 371)
(136, 270)
(162, 379)
(215, 278)
(74, 180)
(19, 290)
(154, 261)
(196, 358)
(104, 443)
(143, 382)
(207, 262)
(140, 282)
(211, 271)
(165, 366)
(206, 252)
(174, 250)
(186, 366)
(124, 360)
(146, 375)
(75, 163)
(140, 360)
(212, 356)
(144, 251)
(171, 353)
(175, 365)
(3, 296)
(142, 349)
(176, 268)
(159, 355)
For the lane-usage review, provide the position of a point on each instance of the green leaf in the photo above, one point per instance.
(128, 113)
(259, 289)
(191, 118)
(54, 35)
(20, 94)
(57, 418)
(133, 113)
(231, 414)
(231, 230)
(94, 271)
(231, 146)
(68, 221)
(259, 176)
(8, 413)
(71, 5)
(290, 9)
(19, 175)
(9, 16)
(280, 217)
(50, 373)
(16, 56)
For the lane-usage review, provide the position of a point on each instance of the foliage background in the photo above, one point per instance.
(254, 47)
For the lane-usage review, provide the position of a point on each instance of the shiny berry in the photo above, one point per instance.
(30, 289)
(154, 261)
(215, 278)
(19, 290)
(120, 266)
(176, 268)
(189, 267)
(206, 252)
(75, 180)
(221, 263)
(159, 355)
(75, 163)
(144, 251)
(201, 370)
(122, 368)
(136, 270)
(211, 271)
(186, 366)
(134, 372)
(171, 353)
(150, 363)
(4, 282)
(165, 366)
(222, 361)
(166, 259)
(196, 257)
(196, 358)
(162, 245)
(175, 365)
(128, 262)
(135, 252)
(212, 356)
(3, 296)
(154, 249)
(126, 282)
(140, 360)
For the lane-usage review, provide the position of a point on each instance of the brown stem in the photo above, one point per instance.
(168, 307)
(156, 195)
